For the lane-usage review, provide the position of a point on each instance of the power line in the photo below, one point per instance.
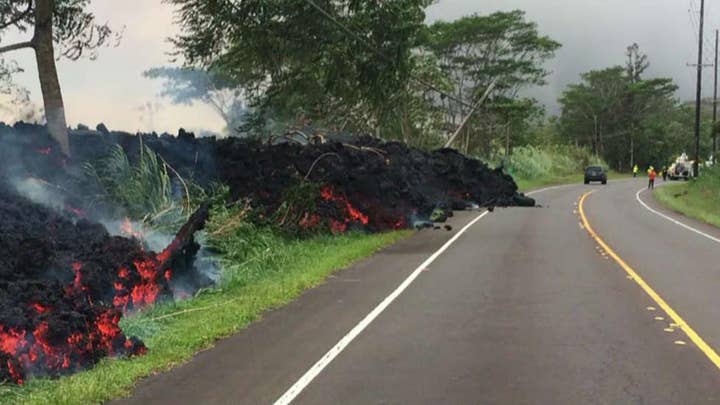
(693, 14)
(694, 20)
(370, 47)
(693, 37)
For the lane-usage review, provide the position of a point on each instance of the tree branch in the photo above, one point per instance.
(218, 108)
(14, 47)
(19, 17)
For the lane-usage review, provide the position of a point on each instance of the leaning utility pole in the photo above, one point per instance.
(472, 111)
(715, 88)
(698, 97)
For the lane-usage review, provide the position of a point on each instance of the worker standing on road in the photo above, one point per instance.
(635, 170)
(651, 176)
(664, 173)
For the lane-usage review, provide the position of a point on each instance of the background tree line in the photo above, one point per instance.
(374, 67)
(369, 67)
(626, 117)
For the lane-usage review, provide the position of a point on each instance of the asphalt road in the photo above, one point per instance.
(523, 308)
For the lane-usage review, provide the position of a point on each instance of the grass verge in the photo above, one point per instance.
(694, 200)
(174, 332)
(526, 185)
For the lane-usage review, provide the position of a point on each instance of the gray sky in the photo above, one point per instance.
(594, 34)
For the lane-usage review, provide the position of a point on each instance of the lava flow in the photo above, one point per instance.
(64, 286)
(150, 279)
(350, 213)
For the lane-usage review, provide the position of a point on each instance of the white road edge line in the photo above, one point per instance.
(313, 372)
(675, 221)
(325, 360)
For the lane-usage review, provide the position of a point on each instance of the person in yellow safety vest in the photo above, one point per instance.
(635, 170)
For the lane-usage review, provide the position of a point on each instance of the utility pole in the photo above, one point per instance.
(472, 111)
(597, 138)
(715, 90)
(698, 97)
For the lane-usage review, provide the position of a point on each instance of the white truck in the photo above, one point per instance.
(681, 169)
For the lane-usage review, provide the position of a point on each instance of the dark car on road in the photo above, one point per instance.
(595, 173)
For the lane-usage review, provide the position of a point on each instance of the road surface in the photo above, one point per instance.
(525, 307)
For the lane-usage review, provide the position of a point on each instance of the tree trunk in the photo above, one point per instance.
(467, 140)
(508, 152)
(596, 142)
(405, 125)
(49, 83)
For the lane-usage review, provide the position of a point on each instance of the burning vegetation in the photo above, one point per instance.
(66, 281)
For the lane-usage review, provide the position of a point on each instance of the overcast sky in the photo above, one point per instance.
(594, 34)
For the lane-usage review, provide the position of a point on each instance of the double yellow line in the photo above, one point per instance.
(690, 332)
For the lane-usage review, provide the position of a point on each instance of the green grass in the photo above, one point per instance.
(526, 185)
(144, 189)
(695, 199)
(174, 332)
(530, 162)
(263, 267)
(536, 167)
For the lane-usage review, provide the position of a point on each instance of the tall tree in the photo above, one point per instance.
(614, 108)
(319, 58)
(63, 23)
(516, 115)
(476, 49)
(418, 119)
(636, 63)
(591, 109)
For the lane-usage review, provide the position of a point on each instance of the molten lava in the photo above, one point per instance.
(58, 322)
(43, 349)
(351, 213)
(148, 281)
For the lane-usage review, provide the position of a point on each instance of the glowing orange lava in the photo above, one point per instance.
(352, 214)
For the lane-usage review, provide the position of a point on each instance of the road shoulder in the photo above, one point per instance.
(260, 362)
(658, 205)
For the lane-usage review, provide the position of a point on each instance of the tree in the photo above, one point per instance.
(186, 86)
(516, 115)
(636, 64)
(327, 60)
(623, 117)
(8, 88)
(476, 49)
(418, 119)
(63, 23)
(591, 109)
(15, 100)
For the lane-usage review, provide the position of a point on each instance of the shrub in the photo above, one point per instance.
(708, 184)
(530, 162)
(145, 190)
